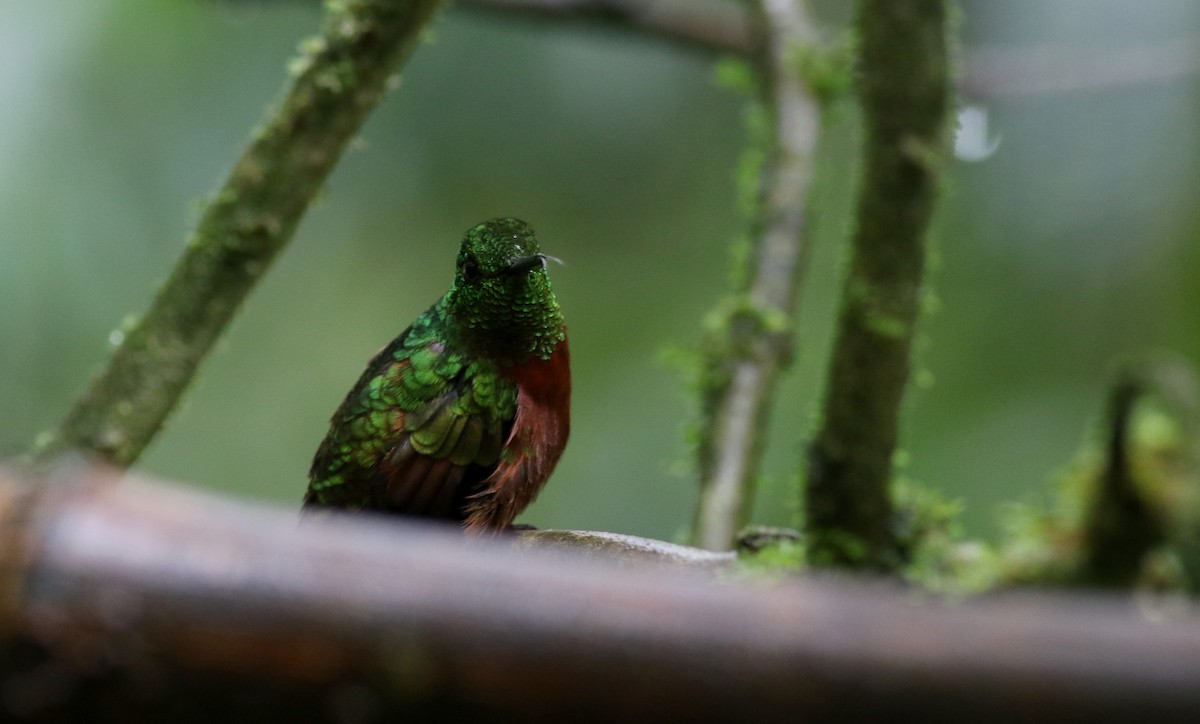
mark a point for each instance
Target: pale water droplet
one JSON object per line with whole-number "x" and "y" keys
{"x": 971, "y": 142}
{"x": 116, "y": 337}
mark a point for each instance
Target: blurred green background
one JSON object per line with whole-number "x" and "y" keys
{"x": 1072, "y": 246}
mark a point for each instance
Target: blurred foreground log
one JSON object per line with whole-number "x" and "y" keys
{"x": 133, "y": 601}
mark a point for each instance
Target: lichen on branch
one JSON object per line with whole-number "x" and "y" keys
{"x": 749, "y": 340}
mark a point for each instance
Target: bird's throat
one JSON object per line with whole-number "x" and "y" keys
{"x": 509, "y": 334}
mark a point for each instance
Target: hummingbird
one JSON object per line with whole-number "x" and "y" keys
{"x": 465, "y": 414}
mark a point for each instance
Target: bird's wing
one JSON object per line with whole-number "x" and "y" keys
{"x": 421, "y": 428}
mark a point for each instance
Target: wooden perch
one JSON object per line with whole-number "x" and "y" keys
{"x": 145, "y": 602}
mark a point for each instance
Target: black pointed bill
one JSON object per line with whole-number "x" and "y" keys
{"x": 525, "y": 263}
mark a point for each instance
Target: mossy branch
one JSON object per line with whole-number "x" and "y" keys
{"x": 751, "y": 339}
{"x": 338, "y": 79}
{"x": 904, "y": 88}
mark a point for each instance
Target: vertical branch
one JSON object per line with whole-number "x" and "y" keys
{"x": 904, "y": 88}
{"x": 338, "y": 80}
{"x": 752, "y": 341}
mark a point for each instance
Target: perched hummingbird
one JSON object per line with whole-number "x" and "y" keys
{"x": 465, "y": 414}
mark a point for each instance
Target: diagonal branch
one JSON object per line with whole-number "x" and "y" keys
{"x": 339, "y": 78}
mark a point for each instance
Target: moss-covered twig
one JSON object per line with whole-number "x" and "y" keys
{"x": 1144, "y": 494}
{"x": 751, "y": 340}
{"x": 338, "y": 79}
{"x": 904, "y": 87}
{"x": 1128, "y": 513}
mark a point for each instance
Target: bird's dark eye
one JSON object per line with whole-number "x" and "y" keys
{"x": 470, "y": 270}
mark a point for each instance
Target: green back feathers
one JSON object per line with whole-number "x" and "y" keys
{"x": 421, "y": 392}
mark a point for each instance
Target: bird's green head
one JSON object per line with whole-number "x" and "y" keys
{"x": 501, "y": 297}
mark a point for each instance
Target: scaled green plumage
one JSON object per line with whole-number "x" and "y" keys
{"x": 425, "y": 429}
{"x": 420, "y": 389}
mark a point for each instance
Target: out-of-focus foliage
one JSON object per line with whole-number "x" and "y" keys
{"x": 1073, "y": 244}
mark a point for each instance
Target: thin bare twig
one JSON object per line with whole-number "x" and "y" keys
{"x": 711, "y": 26}
{"x": 992, "y": 72}
{"x": 339, "y": 78}
{"x": 987, "y": 72}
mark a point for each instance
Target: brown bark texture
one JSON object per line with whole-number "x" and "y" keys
{"x": 127, "y": 600}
